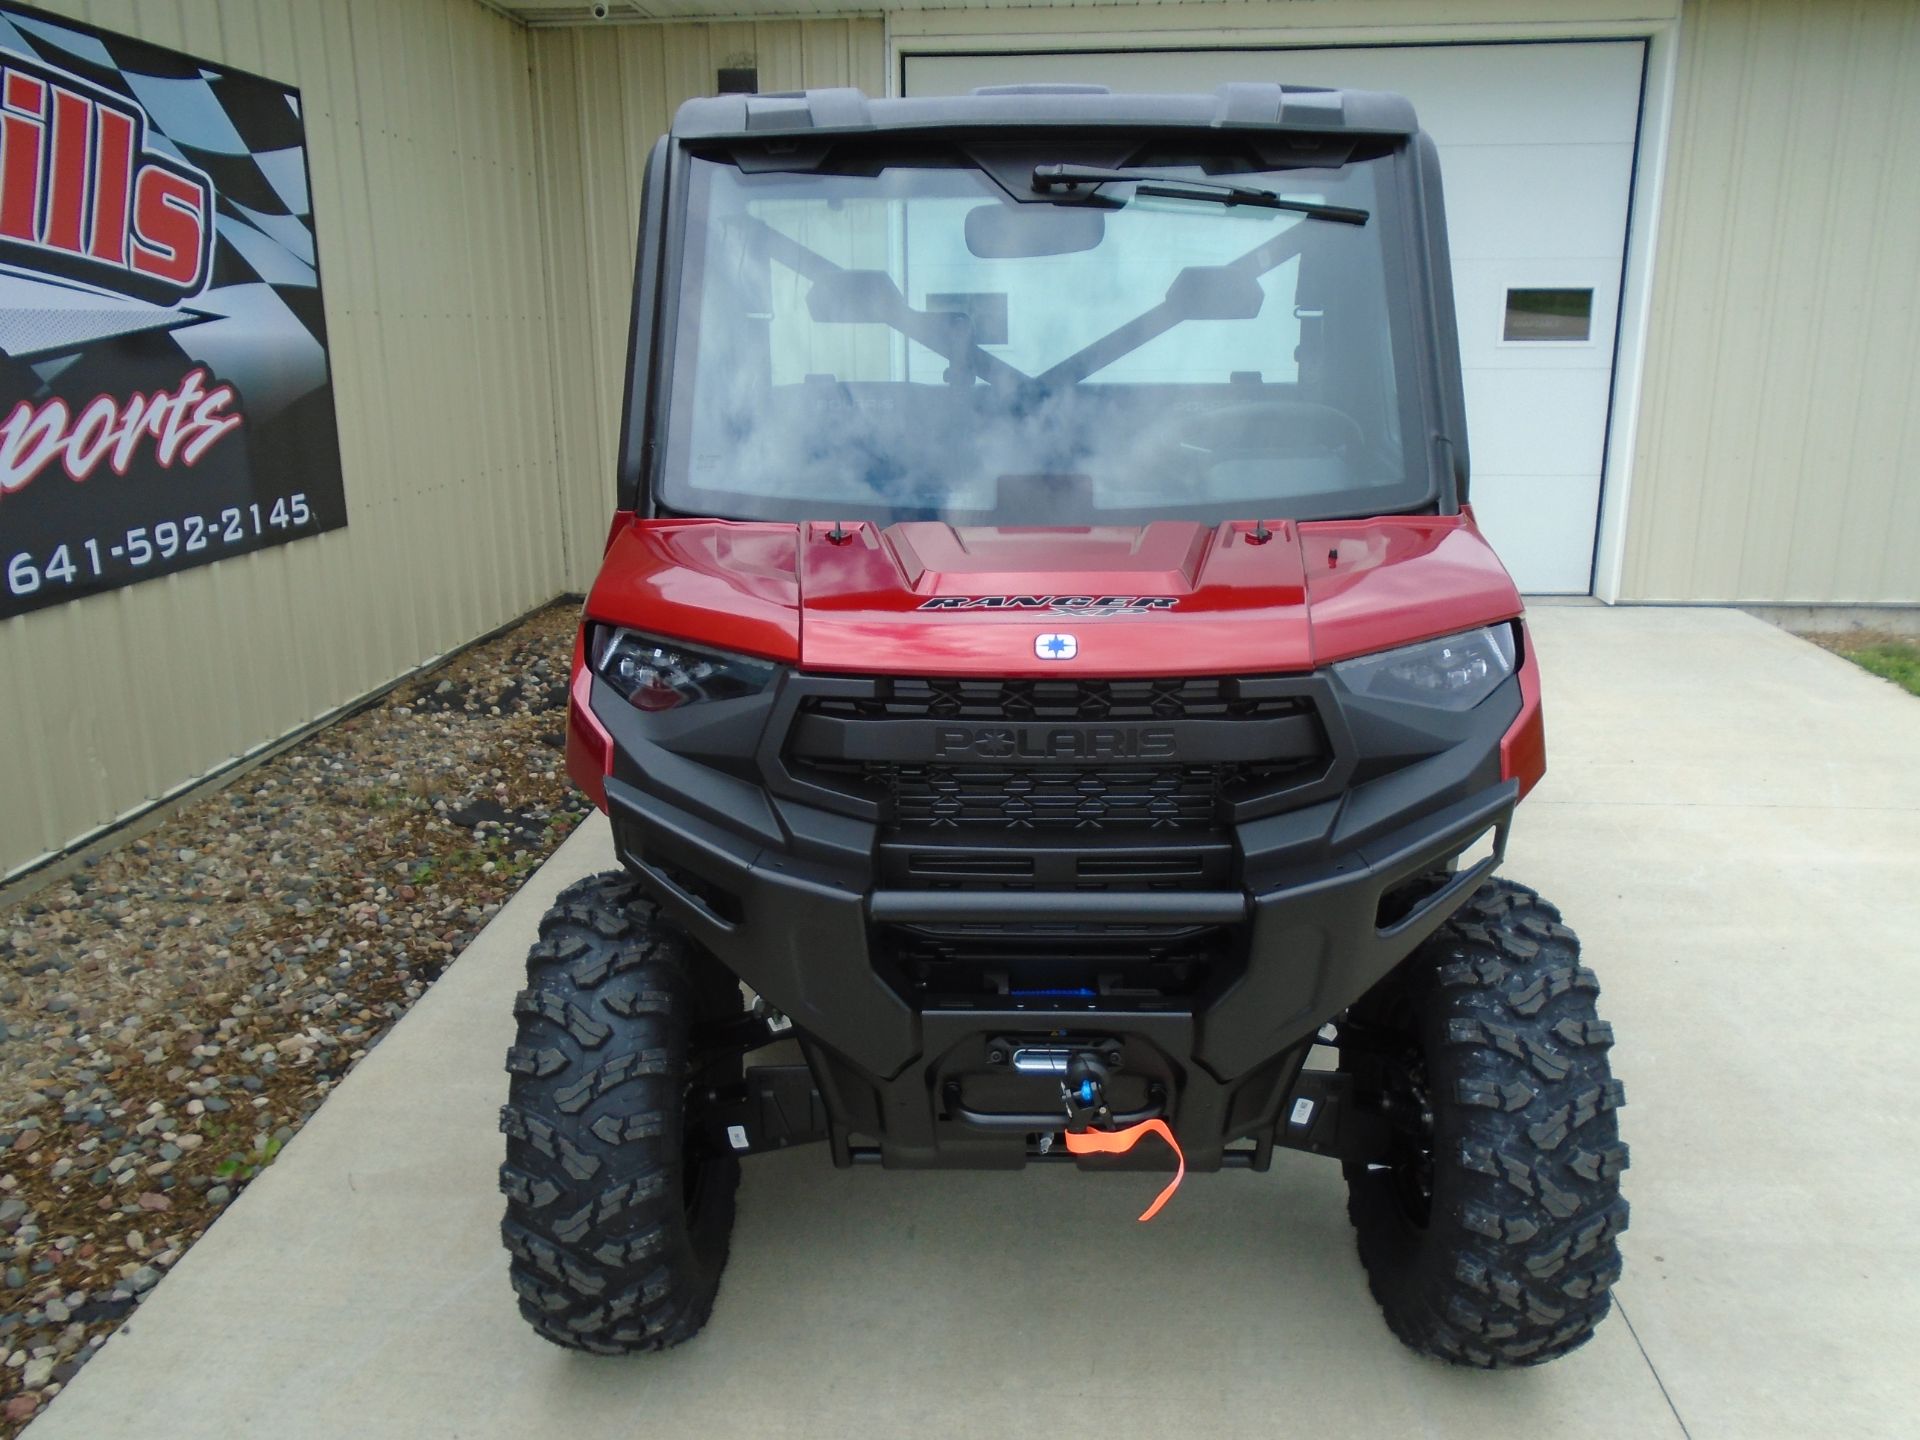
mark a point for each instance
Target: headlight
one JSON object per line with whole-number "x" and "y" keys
{"x": 1454, "y": 673}
{"x": 662, "y": 675}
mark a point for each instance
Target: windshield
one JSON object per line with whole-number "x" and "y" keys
{"x": 914, "y": 343}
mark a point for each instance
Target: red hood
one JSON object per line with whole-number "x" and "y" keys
{"x": 1173, "y": 597}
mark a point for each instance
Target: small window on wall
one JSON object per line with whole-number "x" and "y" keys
{"x": 1561, "y": 315}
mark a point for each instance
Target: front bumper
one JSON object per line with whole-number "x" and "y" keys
{"x": 787, "y": 895}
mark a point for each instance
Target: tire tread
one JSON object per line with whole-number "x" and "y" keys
{"x": 605, "y": 1256}
{"x": 1521, "y": 1249}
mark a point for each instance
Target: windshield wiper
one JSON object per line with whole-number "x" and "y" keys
{"x": 1181, "y": 187}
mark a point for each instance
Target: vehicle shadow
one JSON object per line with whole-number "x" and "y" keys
{"x": 911, "y": 1303}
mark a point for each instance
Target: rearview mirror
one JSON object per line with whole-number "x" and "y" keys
{"x": 997, "y": 231}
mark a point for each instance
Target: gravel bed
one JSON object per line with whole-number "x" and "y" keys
{"x": 172, "y": 1013}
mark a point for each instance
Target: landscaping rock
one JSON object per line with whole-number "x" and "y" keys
{"x": 212, "y": 980}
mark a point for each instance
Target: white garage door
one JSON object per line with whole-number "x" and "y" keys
{"x": 1537, "y": 146}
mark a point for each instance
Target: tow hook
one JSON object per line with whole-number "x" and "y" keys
{"x": 1084, "y": 1092}
{"x": 1090, "y": 1128}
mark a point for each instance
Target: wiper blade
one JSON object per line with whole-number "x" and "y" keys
{"x": 1052, "y": 177}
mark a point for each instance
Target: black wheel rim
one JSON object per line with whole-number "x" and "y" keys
{"x": 1410, "y": 1166}
{"x": 1395, "y": 1066}
{"x": 694, "y": 1150}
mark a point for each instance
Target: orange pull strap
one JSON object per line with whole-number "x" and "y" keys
{"x": 1119, "y": 1142}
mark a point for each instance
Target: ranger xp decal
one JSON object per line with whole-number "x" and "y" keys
{"x": 1095, "y": 605}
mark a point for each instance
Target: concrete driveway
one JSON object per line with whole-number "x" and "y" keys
{"x": 1732, "y": 821}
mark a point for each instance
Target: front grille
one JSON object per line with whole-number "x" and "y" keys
{"x": 1058, "y": 785}
{"x": 1043, "y": 775}
{"x": 1057, "y": 700}
{"x": 1043, "y": 799}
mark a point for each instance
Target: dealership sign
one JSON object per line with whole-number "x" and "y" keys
{"x": 165, "y": 394}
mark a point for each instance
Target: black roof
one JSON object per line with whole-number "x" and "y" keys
{"x": 1302, "y": 108}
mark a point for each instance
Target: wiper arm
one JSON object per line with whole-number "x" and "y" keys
{"x": 1051, "y": 177}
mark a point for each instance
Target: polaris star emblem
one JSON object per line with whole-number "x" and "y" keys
{"x": 1056, "y": 647}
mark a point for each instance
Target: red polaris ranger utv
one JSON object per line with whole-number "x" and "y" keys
{"x": 1045, "y": 666}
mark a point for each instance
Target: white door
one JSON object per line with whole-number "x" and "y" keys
{"x": 1536, "y": 148}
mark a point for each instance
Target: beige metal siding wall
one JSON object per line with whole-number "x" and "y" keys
{"x": 605, "y": 94}
{"x": 1781, "y": 414}
{"x": 420, "y": 132}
